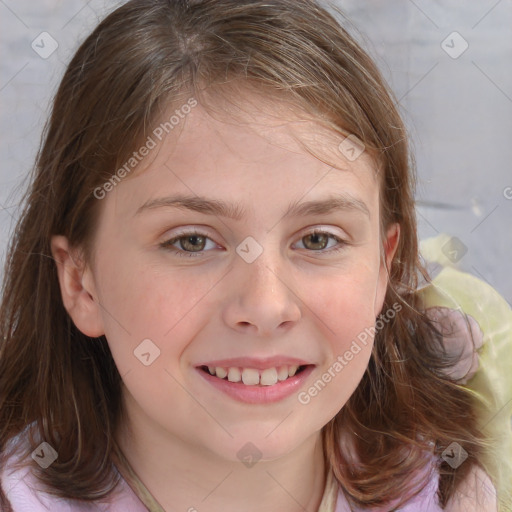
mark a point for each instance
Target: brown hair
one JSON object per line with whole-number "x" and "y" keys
{"x": 136, "y": 62}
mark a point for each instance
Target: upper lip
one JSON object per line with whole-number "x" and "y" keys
{"x": 256, "y": 363}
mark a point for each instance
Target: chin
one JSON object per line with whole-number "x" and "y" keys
{"x": 251, "y": 445}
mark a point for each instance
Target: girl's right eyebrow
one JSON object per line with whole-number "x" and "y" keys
{"x": 333, "y": 203}
{"x": 195, "y": 203}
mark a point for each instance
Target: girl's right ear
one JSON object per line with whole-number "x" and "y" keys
{"x": 77, "y": 289}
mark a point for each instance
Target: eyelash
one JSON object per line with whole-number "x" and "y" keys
{"x": 168, "y": 244}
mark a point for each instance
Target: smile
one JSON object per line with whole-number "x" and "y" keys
{"x": 254, "y": 377}
{"x": 256, "y": 386}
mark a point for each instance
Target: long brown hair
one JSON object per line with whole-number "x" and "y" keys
{"x": 134, "y": 65}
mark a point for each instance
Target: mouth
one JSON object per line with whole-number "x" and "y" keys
{"x": 252, "y": 376}
{"x": 263, "y": 385}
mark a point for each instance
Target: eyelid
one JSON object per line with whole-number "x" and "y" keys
{"x": 321, "y": 228}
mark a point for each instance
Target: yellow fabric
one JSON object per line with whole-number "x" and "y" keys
{"x": 492, "y": 383}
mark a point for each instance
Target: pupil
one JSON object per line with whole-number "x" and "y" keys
{"x": 318, "y": 236}
{"x": 192, "y": 241}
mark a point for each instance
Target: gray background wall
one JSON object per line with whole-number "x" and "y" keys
{"x": 456, "y": 97}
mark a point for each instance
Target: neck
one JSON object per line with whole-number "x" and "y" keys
{"x": 183, "y": 476}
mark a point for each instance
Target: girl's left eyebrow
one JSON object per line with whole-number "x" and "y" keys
{"x": 235, "y": 211}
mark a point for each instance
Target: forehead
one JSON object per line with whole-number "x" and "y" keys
{"x": 207, "y": 149}
{"x": 231, "y": 116}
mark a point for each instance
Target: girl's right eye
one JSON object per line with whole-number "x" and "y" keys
{"x": 191, "y": 242}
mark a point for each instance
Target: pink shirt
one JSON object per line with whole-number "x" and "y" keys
{"x": 21, "y": 488}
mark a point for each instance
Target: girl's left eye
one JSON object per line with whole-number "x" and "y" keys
{"x": 193, "y": 243}
{"x": 321, "y": 238}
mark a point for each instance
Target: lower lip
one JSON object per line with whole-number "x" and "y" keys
{"x": 259, "y": 394}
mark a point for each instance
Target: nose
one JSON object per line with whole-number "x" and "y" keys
{"x": 261, "y": 299}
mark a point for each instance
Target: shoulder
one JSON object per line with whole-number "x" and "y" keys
{"x": 25, "y": 492}
{"x": 475, "y": 493}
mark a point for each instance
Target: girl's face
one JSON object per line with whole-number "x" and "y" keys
{"x": 208, "y": 259}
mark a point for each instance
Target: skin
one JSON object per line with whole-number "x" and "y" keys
{"x": 182, "y": 435}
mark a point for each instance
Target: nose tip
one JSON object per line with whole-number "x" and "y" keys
{"x": 262, "y": 301}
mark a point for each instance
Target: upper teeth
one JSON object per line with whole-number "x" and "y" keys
{"x": 253, "y": 377}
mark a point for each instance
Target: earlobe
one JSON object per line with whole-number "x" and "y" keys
{"x": 77, "y": 288}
